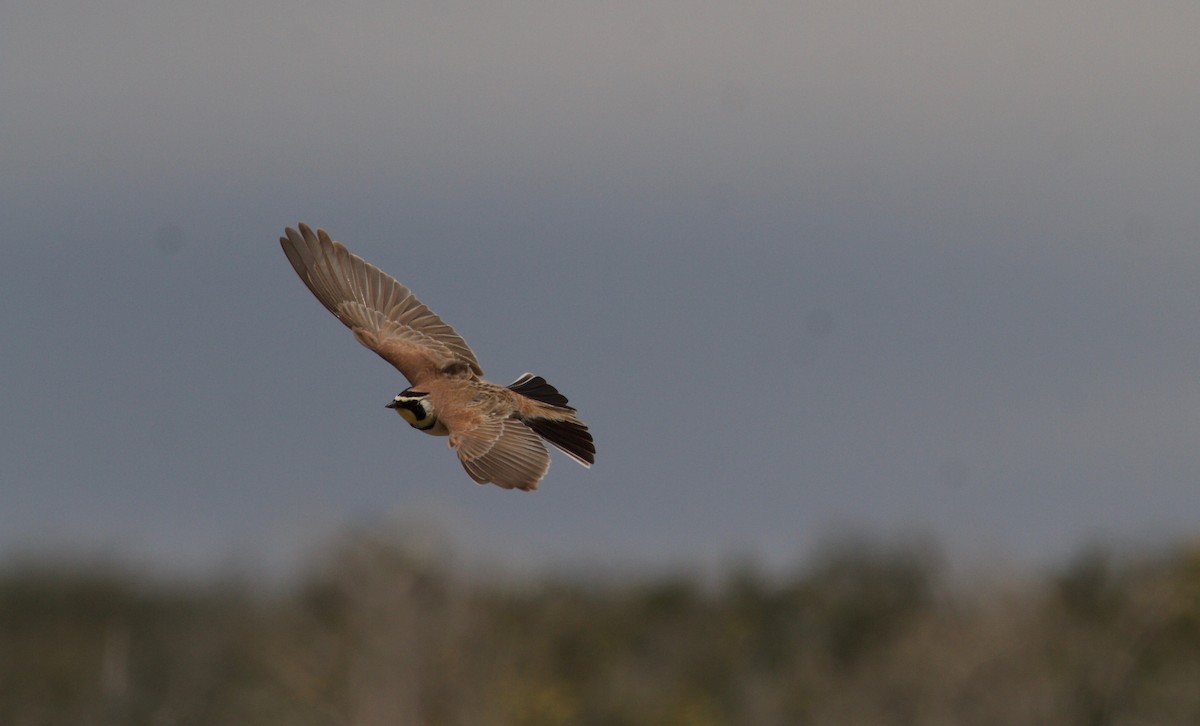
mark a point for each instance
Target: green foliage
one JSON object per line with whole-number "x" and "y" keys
{"x": 380, "y": 634}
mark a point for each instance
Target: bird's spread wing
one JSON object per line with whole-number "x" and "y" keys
{"x": 384, "y": 314}
{"x": 502, "y": 451}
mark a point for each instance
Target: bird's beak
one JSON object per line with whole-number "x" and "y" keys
{"x": 393, "y": 404}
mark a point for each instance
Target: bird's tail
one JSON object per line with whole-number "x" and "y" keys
{"x": 563, "y": 429}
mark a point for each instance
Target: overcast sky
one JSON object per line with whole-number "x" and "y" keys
{"x": 804, "y": 268}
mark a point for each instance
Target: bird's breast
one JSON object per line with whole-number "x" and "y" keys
{"x": 438, "y": 429}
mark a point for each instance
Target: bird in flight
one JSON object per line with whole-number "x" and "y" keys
{"x": 497, "y": 431}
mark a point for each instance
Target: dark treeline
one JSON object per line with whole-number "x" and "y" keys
{"x": 379, "y": 635}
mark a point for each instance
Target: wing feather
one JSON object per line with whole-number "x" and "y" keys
{"x": 504, "y": 452}
{"x": 383, "y": 314}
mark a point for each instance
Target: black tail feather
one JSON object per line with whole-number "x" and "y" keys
{"x": 535, "y": 387}
{"x": 571, "y": 436}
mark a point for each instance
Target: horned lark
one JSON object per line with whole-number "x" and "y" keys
{"x": 496, "y": 430}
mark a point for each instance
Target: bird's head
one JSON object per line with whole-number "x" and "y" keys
{"x": 416, "y": 408}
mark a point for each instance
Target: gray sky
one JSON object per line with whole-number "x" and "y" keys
{"x": 805, "y": 269}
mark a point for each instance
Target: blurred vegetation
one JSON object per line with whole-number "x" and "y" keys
{"x": 378, "y": 634}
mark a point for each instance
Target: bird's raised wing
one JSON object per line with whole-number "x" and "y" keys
{"x": 502, "y": 451}
{"x": 383, "y": 314}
